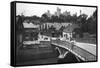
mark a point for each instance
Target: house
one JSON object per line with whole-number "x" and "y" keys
{"x": 67, "y": 32}
{"x": 30, "y": 33}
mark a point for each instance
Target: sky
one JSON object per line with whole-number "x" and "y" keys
{"x": 38, "y": 9}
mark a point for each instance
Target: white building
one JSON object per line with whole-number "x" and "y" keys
{"x": 43, "y": 38}
{"x": 67, "y": 32}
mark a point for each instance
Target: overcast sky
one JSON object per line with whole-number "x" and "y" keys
{"x": 38, "y": 9}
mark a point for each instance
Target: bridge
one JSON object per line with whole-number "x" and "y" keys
{"x": 84, "y": 51}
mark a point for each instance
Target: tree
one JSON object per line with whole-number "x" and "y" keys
{"x": 45, "y": 18}
{"x": 92, "y": 23}
{"x": 19, "y": 23}
{"x": 74, "y": 18}
{"x": 82, "y": 19}
{"x": 35, "y": 17}
{"x": 77, "y": 31}
{"x": 54, "y": 18}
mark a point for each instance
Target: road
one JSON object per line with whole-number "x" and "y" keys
{"x": 88, "y": 47}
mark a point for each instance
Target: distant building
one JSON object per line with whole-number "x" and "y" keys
{"x": 75, "y": 14}
{"x": 48, "y": 14}
{"x": 66, "y": 13}
{"x": 58, "y": 13}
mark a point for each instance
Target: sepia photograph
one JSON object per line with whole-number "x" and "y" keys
{"x": 55, "y": 34}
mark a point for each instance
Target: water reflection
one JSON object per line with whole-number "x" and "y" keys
{"x": 41, "y": 55}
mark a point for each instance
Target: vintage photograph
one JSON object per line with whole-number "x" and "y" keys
{"x": 55, "y": 34}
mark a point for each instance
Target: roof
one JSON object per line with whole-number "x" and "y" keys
{"x": 30, "y": 25}
{"x": 70, "y": 28}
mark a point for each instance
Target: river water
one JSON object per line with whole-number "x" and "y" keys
{"x": 42, "y": 55}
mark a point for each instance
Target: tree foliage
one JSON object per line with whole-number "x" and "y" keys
{"x": 86, "y": 24}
